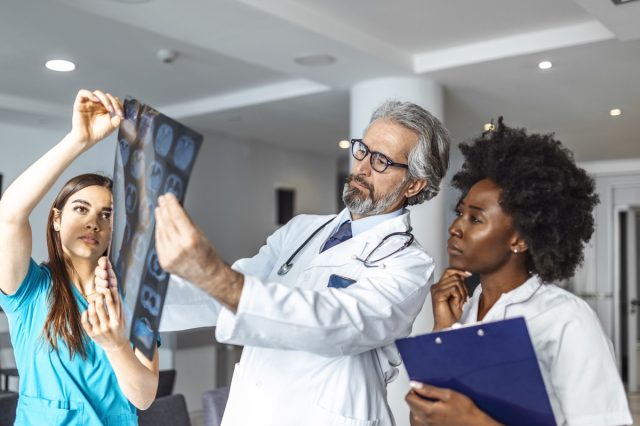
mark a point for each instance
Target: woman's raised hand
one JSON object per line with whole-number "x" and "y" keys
{"x": 95, "y": 115}
{"x": 447, "y": 297}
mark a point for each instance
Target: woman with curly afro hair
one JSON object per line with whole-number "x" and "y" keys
{"x": 522, "y": 222}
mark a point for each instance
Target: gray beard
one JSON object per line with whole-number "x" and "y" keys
{"x": 359, "y": 203}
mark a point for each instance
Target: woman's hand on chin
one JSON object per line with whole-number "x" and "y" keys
{"x": 448, "y": 296}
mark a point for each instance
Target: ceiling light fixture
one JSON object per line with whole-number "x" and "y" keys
{"x": 344, "y": 144}
{"x": 615, "y": 112}
{"x": 60, "y": 65}
{"x": 545, "y": 65}
{"x": 315, "y": 60}
{"x": 166, "y": 56}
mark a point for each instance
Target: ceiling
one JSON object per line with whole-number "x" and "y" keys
{"x": 235, "y": 72}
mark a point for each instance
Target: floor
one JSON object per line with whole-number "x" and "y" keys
{"x": 197, "y": 419}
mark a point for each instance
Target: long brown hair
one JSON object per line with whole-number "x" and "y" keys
{"x": 63, "y": 318}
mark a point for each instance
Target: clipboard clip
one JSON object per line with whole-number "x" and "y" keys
{"x": 438, "y": 339}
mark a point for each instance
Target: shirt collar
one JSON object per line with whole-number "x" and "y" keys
{"x": 520, "y": 294}
{"x": 361, "y": 225}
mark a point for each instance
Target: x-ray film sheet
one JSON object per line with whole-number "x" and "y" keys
{"x": 155, "y": 155}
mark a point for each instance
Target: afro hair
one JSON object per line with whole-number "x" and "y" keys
{"x": 549, "y": 198}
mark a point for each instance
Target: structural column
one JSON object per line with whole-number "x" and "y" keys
{"x": 427, "y": 219}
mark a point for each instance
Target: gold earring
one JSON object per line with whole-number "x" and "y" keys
{"x": 515, "y": 250}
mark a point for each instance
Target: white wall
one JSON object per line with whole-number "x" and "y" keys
{"x": 232, "y": 190}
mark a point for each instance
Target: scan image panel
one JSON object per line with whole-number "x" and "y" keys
{"x": 155, "y": 155}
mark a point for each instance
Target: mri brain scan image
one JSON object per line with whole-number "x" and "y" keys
{"x": 131, "y": 198}
{"x": 174, "y": 185}
{"x": 185, "y": 150}
{"x": 150, "y": 300}
{"x": 164, "y": 137}
{"x": 154, "y": 176}
{"x": 153, "y": 266}
{"x": 143, "y": 331}
{"x": 124, "y": 151}
{"x": 146, "y": 125}
{"x": 137, "y": 164}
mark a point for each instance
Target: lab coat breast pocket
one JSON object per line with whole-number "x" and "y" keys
{"x": 339, "y": 281}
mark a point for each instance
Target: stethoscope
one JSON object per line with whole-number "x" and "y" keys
{"x": 368, "y": 261}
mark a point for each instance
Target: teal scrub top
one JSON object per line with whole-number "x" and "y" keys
{"x": 56, "y": 389}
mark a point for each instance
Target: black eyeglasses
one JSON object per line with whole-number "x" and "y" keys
{"x": 379, "y": 161}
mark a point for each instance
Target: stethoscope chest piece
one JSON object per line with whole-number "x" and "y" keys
{"x": 286, "y": 267}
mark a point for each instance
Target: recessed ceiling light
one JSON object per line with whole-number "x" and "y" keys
{"x": 615, "y": 112}
{"x": 344, "y": 144}
{"x": 60, "y": 65}
{"x": 488, "y": 127}
{"x": 315, "y": 60}
{"x": 545, "y": 65}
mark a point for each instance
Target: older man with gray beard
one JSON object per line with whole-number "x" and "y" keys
{"x": 319, "y": 307}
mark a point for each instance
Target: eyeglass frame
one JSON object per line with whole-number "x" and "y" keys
{"x": 388, "y": 162}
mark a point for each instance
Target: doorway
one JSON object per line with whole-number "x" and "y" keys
{"x": 628, "y": 262}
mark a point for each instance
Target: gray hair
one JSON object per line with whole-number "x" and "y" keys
{"x": 429, "y": 159}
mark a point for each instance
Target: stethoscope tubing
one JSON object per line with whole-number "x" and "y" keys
{"x": 288, "y": 264}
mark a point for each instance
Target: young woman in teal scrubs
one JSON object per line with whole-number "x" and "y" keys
{"x": 67, "y": 327}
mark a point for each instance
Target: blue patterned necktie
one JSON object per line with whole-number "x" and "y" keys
{"x": 342, "y": 234}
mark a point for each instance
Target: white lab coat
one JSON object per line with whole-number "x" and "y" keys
{"x": 575, "y": 356}
{"x": 315, "y": 355}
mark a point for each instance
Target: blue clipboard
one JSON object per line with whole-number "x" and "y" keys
{"x": 494, "y": 364}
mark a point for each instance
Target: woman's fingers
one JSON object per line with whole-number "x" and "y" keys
{"x": 116, "y": 105}
{"x": 84, "y": 96}
{"x": 101, "y": 312}
{"x": 452, "y": 271}
{"x": 93, "y": 316}
{"x": 101, "y": 278}
{"x": 111, "y": 307}
{"x": 105, "y": 276}
{"x": 104, "y": 100}
{"x": 86, "y": 325}
{"x": 451, "y": 281}
{"x": 113, "y": 280}
{"x": 445, "y": 287}
{"x": 431, "y": 392}
{"x": 448, "y": 298}
{"x": 420, "y": 408}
